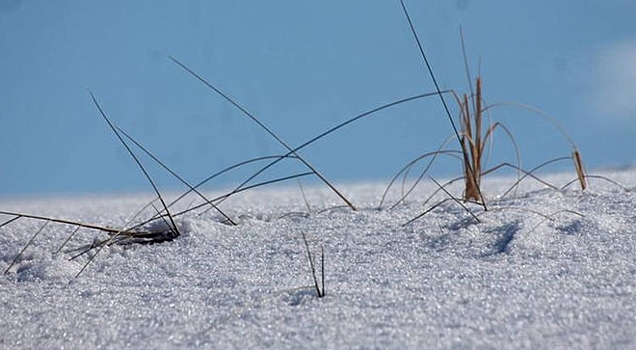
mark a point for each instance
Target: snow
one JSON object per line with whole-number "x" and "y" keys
{"x": 541, "y": 269}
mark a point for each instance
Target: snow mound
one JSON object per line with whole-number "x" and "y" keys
{"x": 540, "y": 268}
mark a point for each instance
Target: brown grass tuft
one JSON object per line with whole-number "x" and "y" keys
{"x": 473, "y": 143}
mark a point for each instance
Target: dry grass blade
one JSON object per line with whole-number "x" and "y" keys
{"x": 442, "y": 188}
{"x": 576, "y": 155}
{"x": 322, "y": 269}
{"x": 314, "y": 139}
{"x": 68, "y": 239}
{"x": 9, "y": 221}
{"x": 227, "y": 195}
{"x": 404, "y": 171}
{"x": 60, "y": 221}
{"x": 163, "y": 165}
{"x": 264, "y": 127}
{"x": 425, "y": 212}
{"x": 605, "y": 178}
{"x": 550, "y": 217}
{"x": 174, "y": 227}
{"x": 531, "y": 174}
{"x": 209, "y": 178}
{"x": 455, "y": 199}
{"x": 25, "y": 247}
{"x": 302, "y": 192}
{"x": 338, "y": 127}
{"x": 407, "y": 169}
{"x": 320, "y": 292}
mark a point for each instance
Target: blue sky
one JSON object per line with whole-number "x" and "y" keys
{"x": 301, "y": 67}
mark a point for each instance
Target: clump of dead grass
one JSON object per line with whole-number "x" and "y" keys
{"x": 475, "y": 140}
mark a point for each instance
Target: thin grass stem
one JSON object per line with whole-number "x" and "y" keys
{"x": 25, "y": 247}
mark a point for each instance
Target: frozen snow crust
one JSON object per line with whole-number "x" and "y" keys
{"x": 515, "y": 280}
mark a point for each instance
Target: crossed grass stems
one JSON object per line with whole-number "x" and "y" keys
{"x": 474, "y": 137}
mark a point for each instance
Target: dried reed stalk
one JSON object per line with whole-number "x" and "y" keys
{"x": 578, "y": 165}
{"x": 472, "y": 144}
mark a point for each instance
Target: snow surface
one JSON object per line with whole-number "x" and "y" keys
{"x": 517, "y": 279}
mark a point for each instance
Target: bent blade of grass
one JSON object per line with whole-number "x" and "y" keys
{"x": 319, "y": 136}
{"x": 264, "y": 127}
{"x": 340, "y": 126}
{"x": 264, "y": 183}
{"x": 576, "y": 155}
{"x": 61, "y": 221}
{"x": 163, "y": 203}
{"x": 489, "y": 135}
{"x": 260, "y": 184}
{"x": 9, "y": 221}
{"x": 550, "y": 217}
{"x": 455, "y": 199}
{"x": 425, "y": 212}
{"x": 163, "y": 165}
{"x": 68, "y": 239}
{"x": 409, "y": 166}
{"x": 588, "y": 176}
{"x": 525, "y": 174}
{"x": 405, "y": 171}
{"x": 223, "y": 197}
{"x": 532, "y": 171}
{"x": 223, "y": 171}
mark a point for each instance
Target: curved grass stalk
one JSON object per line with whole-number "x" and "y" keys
{"x": 491, "y": 170}
{"x": 276, "y": 159}
{"x": 206, "y": 180}
{"x": 223, "y": 197}
{"x": 587, "y": 176}
{"x": 404, "y": 171}
{"x": 576, "y": 155}
{"x": 532, "y": 171}
{"x": 163, "y": 165}
{"x": 407, "y": 171}
{"x": 314, "y": 139}
{"x": 264, "y": 127}
{"x": 152, "y": 183}
{"x": 550, "y": 217}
